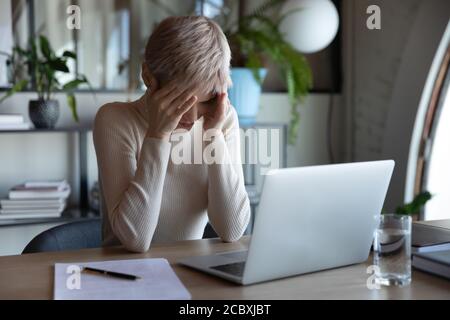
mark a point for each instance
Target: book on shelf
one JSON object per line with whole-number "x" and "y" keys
{"x": 22, "y": 192}
{"x": 25, "y": 202}
{"x": 7, "y": 212}
{"x": 15, "y": 126}
{"x": 11, "y": 118}
{"x": 31, "y": 203}
{"x": 58, "y": 184}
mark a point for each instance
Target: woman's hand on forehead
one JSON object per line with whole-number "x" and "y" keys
{"x": 165, "y": 108}
{"x": 215, "y": 118}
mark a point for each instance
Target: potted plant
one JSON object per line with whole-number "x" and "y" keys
{"x": 42, "y": 66}
{"x": 415, "y": 205}
{"x": 255, "y": 41}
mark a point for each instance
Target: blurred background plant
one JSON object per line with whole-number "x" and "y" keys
{"x": 415, "y": 206}
{"x": 37, "y": 67}
{"x": 255, "y": 40}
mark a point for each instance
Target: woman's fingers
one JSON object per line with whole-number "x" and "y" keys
{"x": 181, "y": 98}
{"x": 172, "y": 96}
{"x": 185, "y": 107}
{"x": 175, "y": 98}
{"x": 222, "y": 104}
{"x": 166, "y": 89}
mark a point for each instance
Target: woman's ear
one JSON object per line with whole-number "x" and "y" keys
{"x": 148, "y": 78}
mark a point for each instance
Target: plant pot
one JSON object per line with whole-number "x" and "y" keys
{"x": 245, "y": 94}
{"x": 44, "y": 113}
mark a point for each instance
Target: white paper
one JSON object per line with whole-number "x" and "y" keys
{"x": 158, "y": 281}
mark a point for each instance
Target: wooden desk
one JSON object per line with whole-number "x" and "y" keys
{"x": 31, "y": 276}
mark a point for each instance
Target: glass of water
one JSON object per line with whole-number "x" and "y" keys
{"x": 392, "y": 250}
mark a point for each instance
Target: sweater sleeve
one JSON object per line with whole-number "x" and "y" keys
{"x": 228, "y": 203}
{"x": 132, "y": 188}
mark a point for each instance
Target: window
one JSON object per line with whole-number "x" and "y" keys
{"x": 110, "y": 42}
{"x": 113, "y": 34}
{"x": 432, "y": 164}
{"x": 437, "y": 166}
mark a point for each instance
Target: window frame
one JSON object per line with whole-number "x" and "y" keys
{"x": 434, "y": 108}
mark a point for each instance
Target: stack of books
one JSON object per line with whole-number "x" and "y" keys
{"x": 13, "y": 122}
{"x": 40, "y": 199}
{"x": 430, "y": 236}
{"x": 431, "y": 247}
{"x": 437, "y": 263}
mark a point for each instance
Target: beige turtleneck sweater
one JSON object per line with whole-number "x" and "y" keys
{"x": 149, "y": 196}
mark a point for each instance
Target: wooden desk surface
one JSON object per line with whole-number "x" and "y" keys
{"x": 31, "y": 276}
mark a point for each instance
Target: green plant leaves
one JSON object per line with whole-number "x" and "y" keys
{"x": 264, "y": 7}
{"x": 20, "y": 51}
{"x": 285, "y": 15}
{"x": 19, "y": 86}
{"x": 46, "y": 50}
{"x": 254, "y": 63}
{"x": 43, "y": 66}
{"x": 294, "y": 124}
{"x": 33, "y": 55}
{"x": 72, "y": 103}
{"x": 414, "y": 206}
{"x": 59, "y": 64}
{"x": 259, "y": 37}
{"x": 71, "y": 85}
{"x": 70, "y": 54}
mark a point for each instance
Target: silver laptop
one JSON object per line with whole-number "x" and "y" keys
{"x": 309, "y": 219}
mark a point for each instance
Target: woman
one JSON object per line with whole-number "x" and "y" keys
{"x": 148, "y": 195}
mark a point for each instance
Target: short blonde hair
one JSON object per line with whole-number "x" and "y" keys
{"x": 192, "y": 49}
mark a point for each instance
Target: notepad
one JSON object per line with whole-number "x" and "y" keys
{"x": 158, "y": 281}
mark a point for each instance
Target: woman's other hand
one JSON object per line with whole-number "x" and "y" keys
{"x": 215, "y": 118}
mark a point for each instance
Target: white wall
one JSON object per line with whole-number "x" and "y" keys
{"x": 311, "y": 146}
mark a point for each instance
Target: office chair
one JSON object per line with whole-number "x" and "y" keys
{"x": 209, "y": 232}
{"x": 78, "y": 235}
{"x": 71, "y": 236}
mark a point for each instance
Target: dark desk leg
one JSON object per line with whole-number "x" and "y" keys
{"x": 83, "y": 162}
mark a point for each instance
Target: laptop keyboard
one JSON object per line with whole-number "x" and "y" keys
{"x": 236, "y": 269}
